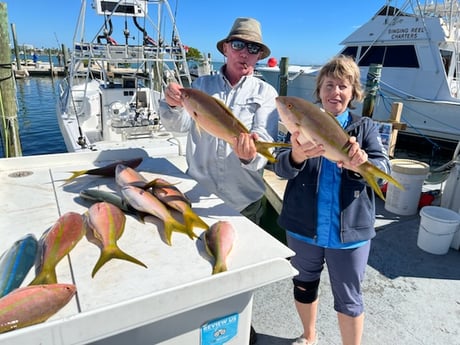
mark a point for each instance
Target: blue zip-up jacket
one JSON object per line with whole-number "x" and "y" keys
{"x": 357, "y": 200}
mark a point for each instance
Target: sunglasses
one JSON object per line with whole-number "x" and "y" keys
{"x": 253, "y": 48}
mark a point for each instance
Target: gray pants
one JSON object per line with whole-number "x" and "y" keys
{"x": 255, "y": 210}
{"x": 346, "y": 269}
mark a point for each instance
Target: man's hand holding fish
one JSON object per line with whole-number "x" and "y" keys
{"x": 172, "y": 95}
{"x": 244, "y": 146}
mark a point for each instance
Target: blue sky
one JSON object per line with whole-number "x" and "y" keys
{"x": 307, "y": 32}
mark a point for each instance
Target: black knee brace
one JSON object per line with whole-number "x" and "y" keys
{"x": 305, "y": 292}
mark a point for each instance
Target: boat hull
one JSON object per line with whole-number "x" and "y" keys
{"x": 438, "y": 120}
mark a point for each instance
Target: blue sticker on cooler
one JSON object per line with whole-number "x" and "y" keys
{"x": 219, "y": 331}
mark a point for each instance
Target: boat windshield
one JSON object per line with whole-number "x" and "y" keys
{"x": 388, "y": 56}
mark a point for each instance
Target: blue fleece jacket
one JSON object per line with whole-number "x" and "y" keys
{"x": 356, "y": 201}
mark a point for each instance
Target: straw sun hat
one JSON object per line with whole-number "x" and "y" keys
{"x": 245, "y": 29}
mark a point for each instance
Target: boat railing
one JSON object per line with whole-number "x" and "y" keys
{"x": 294, "y": 76}
{"x": 124, "y": 53}
{"x": 136, "y": 56}
{"x": 63, "y": 93}
{"x": 448, "y": 10}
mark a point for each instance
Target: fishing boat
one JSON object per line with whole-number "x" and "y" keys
{"x": 200, "y": 67}
{"x": 415, "y": 51}
{"x": 111, "y": 97}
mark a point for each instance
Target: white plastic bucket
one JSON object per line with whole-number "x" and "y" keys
{"x": 451, "y": 197}
{"x": 437, "y": 229}
{"x": 451, "y": 192}
{"x": 411, "y": 174}
{"x": 456, "y": 240}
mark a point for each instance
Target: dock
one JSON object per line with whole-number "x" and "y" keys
{"x": 411, "y": 296}
{"x": 38, "y": 70}
{"x": 45, "y": 71}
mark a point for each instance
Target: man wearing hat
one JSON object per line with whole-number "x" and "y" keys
{"x": 232, "y": 172}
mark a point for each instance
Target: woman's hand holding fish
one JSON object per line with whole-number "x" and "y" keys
{"x": 244, "y": 146}
{"x": 300, "y": 153}
{"x": 358, "y": 156}
{"x": 172, "y": 95}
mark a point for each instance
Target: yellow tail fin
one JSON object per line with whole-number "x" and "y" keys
{"x": 371, "y": 173}
{"x": 264, "y": 147}
{"x": 171, "y": 225}
{"x": 114, "y": 253}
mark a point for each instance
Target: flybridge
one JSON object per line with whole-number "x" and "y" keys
{"x": 133, "y": 8}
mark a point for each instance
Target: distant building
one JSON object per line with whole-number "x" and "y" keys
{"x": 27, "y": 47}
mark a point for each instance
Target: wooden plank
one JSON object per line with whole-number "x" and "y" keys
{"x": 395, "y": 117}
{"x": 274, "y": 191}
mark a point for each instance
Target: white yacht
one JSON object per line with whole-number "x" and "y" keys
{"x": 415, "y": 48}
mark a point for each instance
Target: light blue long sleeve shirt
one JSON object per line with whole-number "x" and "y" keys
{"x": 211, "y": 161}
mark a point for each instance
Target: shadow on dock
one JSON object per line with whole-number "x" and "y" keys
{"x": 394, "y": 251}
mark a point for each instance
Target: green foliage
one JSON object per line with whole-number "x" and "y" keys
{"x": 194, "y": 54}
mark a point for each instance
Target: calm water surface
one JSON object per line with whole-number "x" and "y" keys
{"x": 38, "y": 128}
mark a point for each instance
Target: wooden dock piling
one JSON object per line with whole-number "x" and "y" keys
{"x": 8, "y": 108}
{"x": 284, "y": 76}
{"x": 372, "y": 85}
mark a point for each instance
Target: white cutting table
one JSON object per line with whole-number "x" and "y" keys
{"x": 176, "y": 299}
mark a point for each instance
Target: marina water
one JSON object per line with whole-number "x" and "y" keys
{"x": 38, "y": 127}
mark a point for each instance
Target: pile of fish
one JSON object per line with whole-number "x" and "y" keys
{"x": 102, "y": 224}
{"x": 43, "y": 297}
